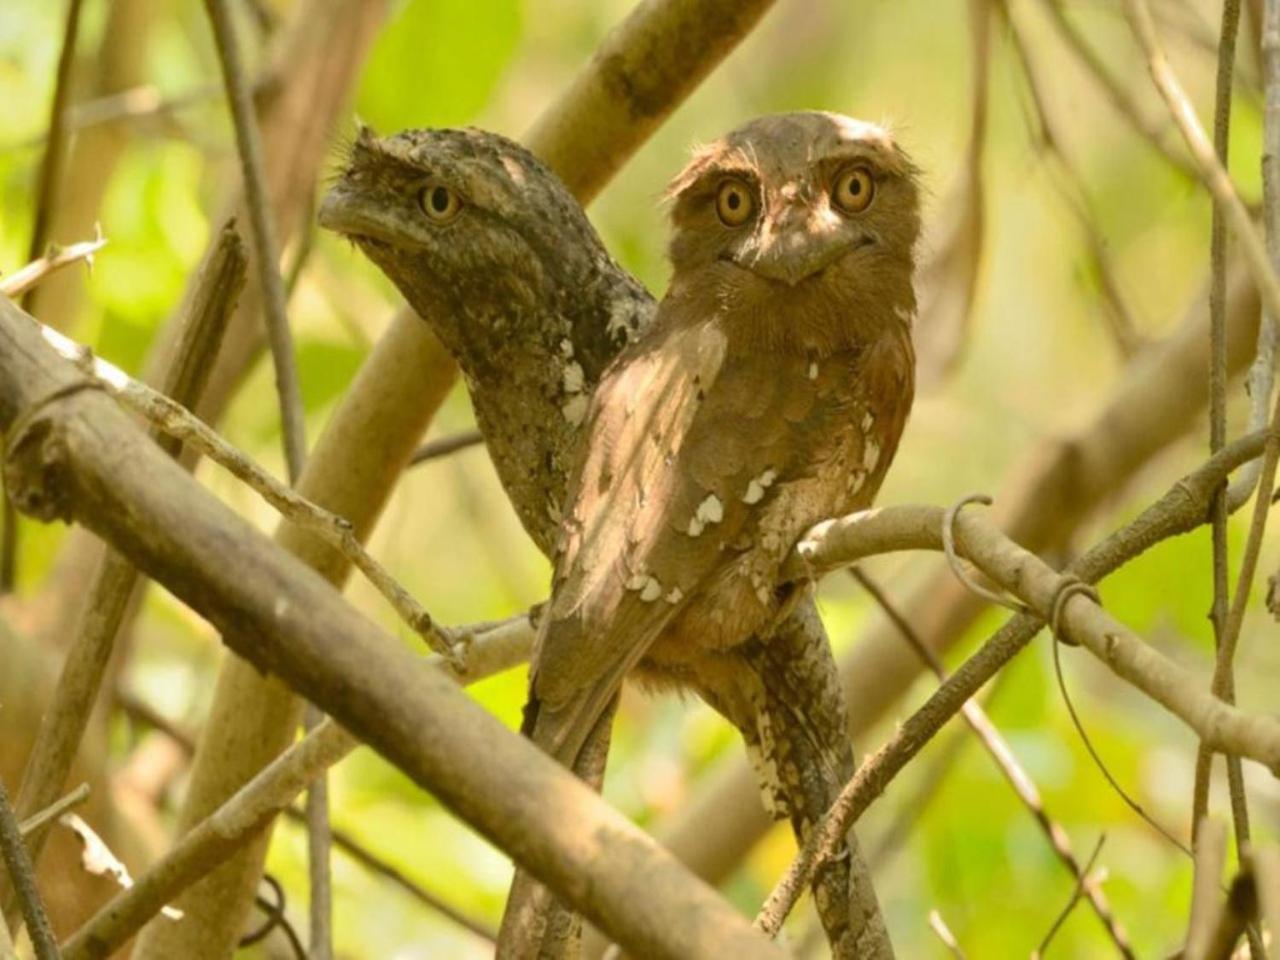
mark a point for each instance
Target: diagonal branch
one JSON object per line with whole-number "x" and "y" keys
{"x": 71, "y": 453}
{"x": 223, "y": 832}
{"x": 53, "y": 260}
{"x": 1184, "y": 507}
{"x": 175, "y": 421}
{"x": 1025, "y": 789}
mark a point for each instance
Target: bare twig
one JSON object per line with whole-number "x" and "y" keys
{"x": 1002, "y": 753}
{"x": 434, "y": 449}
{"x": 56, "y": 809}
{"x": 1069, "y": 185}
{"x": 279, "y": 335}
{"x": 1212, "y": 173}
{"x": 939, "y": 927}
{"x": 1131, "y": 803}
{"x": 1120, "y": 98}
{"x": 54, "y": 259}
{"x": 1261, "y": 378}
{"x": 22, "y": 874}
{"x": 47, "y": 185}
{"x": 1223, "y": 684}
{"x": 1083, "y": 887}
{"x": 319, "y": 852}
{"x": 176, "y": 421}
{"x": 1206, "y": 893}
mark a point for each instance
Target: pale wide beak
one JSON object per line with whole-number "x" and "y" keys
{"x": 338, "y": 213}
{"x": 802, "y": 242}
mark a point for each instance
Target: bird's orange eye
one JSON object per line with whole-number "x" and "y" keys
{"x": 734, "y": 203}
{"x": 439, "y": 202}
{"x": 854, "y": 190}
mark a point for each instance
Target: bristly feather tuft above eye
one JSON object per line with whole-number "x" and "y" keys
{"x": 710, "y": 162}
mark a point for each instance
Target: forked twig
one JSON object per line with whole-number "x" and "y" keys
{"x": 53, "y": 260}
{"x": 176, "y": 421}
{"x": 1083, "y": 884}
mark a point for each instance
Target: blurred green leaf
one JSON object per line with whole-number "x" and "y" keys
{"x": 437, "y": 62}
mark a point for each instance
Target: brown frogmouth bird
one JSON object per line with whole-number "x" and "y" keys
{"x": 767, "y": 393}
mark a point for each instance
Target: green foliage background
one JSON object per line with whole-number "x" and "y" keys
{"x": 1038, "y": 365}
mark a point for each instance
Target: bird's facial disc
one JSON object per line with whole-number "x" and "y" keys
{"x": 821, "y": 191}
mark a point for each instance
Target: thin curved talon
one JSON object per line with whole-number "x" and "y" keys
{"x": 953, "y": 559}
{"x": 1069, "y": 586}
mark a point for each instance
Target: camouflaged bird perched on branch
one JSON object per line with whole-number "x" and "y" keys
{"x": 768, "y": 393}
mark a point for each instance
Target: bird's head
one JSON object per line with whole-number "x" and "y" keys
{"x": 794, "y": 201}
{"x": 466, "y": 223}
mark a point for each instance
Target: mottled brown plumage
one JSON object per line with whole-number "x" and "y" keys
{"x": 496, "y": 256}
{"x": 768, "y": 394}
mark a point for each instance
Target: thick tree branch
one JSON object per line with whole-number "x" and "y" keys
{"x": 72, "y": 453}
{"x": 221, "y": 834}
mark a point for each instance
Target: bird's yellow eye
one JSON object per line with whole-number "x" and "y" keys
{"x": 439, "y": 202}
{"x": 854, "y": 189}
{"x": 734, "y": 203}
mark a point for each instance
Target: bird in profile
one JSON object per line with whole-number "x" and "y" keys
{"x": 769, "y": 393}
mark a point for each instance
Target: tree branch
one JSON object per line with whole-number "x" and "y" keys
{"x": 267, "y": 253}
{"x": 22, "y": 873}
{"x": 47, "y": 184}
{"x": 212, "y": 841}
{"x": 71, "y": 453}
{"x": 1184, "y": 507}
